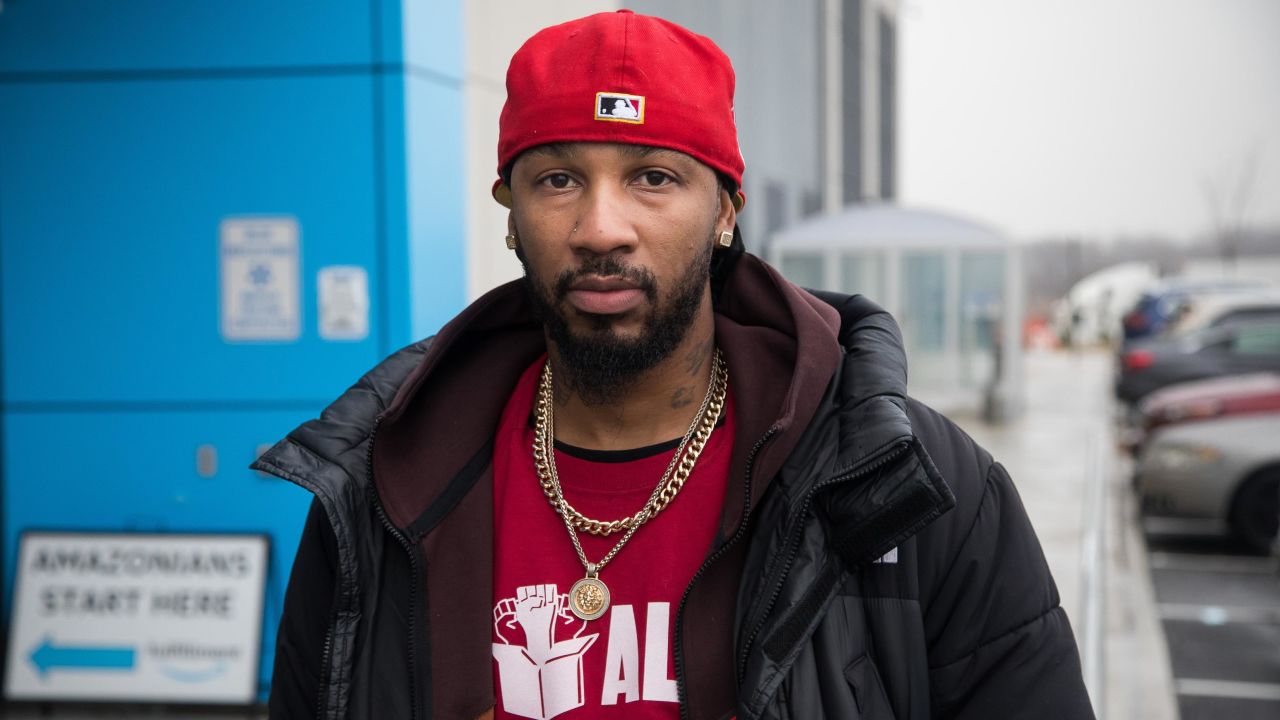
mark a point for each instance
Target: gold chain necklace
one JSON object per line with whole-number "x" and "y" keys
{"x": 589, "y": 597}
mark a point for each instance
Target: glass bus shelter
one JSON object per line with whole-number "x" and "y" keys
{"x": 953, "y": 284}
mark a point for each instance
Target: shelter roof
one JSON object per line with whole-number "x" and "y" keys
{"x": 879, "y": 224}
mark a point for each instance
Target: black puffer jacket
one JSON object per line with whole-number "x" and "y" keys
{"x": 885, "y": 567}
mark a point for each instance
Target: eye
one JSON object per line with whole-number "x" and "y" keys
{"x": 559, "y": 181}
{"x": 655, "y": 178}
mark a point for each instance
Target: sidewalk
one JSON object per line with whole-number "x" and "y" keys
{"x": 1062, "y": 456}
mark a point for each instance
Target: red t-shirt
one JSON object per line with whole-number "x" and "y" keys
{"x": 549, "y": 663}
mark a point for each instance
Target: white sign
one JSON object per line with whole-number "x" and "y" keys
{"x": 344, "y": 302}
{"x": 137, "y": 617}
{"x": 260, "y": 292}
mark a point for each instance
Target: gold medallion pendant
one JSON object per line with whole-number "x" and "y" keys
{"x": 589, "y": 598}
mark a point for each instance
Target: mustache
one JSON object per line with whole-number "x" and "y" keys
{"x": 609, "y": 266}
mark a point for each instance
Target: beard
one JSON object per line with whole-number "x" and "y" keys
{"x": 600, "y": 365}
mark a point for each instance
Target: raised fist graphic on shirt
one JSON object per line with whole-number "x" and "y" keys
{"x": 541, "y": 676}
{"x": 542, "y": 614}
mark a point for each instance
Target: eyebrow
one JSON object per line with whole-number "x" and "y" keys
{"x": 568, "y": 150}
{"x": 556, "y": 149}
{"x": 643, "y": 151}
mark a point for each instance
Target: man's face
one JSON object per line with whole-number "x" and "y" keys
{"x": 616, "y": 242}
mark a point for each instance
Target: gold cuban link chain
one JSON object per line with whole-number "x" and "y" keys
{"x": 669, "y": 484}
{"x": 589, "y": 597}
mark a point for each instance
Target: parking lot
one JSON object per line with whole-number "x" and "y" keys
{"x": 1219, "y": 605}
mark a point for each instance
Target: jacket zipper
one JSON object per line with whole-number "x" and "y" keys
{"x": 327, "y": 651}
{"x": 793, "y": 544}
{"x": 325, "y": 655}
{"x": 325, "y": 658}
{"x": 715, "y": 555}
{"x": 414, "y": 572}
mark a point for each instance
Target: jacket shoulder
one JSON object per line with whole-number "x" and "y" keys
{"x": 959, "y": 459}
{"x": 338, "y": 436}
{"x": 968, "y": 470}
{"x": 999, "y": 642}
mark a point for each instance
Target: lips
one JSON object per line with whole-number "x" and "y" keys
{"x": 604, "y": 295}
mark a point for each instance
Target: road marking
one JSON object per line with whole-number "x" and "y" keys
{"x": 1219, "y": 614}
{"x": 1228, "y": 689}
{"x": 1196, "y": 562}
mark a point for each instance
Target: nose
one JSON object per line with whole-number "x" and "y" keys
{"x": 606, "y": 225}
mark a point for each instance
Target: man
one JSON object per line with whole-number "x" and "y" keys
{"x": 654, "y": 479}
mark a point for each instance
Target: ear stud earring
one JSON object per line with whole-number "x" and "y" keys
{"x": 511, "y": 241}
{"x": 726, "y": 239}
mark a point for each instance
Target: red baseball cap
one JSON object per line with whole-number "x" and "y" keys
{"x": 623, "y": 78}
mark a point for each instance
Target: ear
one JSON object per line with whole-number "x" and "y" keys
{"x": 502, "y": 193}
{"x": 726, "y": 214}
{"x": 511, "y": 229}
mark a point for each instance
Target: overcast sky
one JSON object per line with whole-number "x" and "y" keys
{"x": 1095, "y": 118}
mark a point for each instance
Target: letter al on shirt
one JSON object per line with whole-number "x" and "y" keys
{"x": 621, "y": 671}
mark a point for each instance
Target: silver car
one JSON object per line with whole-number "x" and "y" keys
{"x": 1199, "y": 312}
{"x": 1226, "y": 470}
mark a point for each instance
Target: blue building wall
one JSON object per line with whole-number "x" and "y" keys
{"x": 128, "y": 132}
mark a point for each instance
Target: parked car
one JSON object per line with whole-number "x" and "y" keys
{"x": 1204, "y": 311}
{"x": 1164, "y": 303}
{"x": 1233, "y": 349}
{"x": 1225, "y": 469}
{"x": 1092, "y": 309}
{"x": 1203, "y": 400}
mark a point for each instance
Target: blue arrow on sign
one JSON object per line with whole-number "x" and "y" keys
{"x": 46, "y": 656}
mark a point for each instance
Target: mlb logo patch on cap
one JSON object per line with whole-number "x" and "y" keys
{"x": 617, "y": 107}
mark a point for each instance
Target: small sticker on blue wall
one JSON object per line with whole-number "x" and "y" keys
{"x": 343, "y": 302}
{"x": 260, "y": 271}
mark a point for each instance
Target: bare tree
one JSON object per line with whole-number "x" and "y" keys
{"x": 1229, "y": 205}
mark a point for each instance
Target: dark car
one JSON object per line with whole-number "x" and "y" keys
{"x": 1165, "y": 303}
{"x": 1212, "y": 352}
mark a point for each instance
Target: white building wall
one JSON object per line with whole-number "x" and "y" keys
{"x": 494, "y": 30}
{"x": 871, "y": 131}
{"x": 832, "y": 136}
{"x": 871, "y": 98}
{"x": 777, "y": 52}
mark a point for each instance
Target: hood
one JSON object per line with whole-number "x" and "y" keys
{"x": 780, "y": 343}
{"x": 768, "y": 327}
